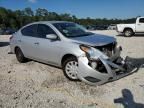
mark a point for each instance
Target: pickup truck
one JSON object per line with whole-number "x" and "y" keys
{"x": 131, "y": 29}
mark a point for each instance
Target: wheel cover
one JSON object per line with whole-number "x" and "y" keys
{"x": 71, "y": 69}
{"x": 128, "y": 33}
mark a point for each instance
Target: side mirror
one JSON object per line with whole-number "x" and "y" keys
{"x": 51, "y": 36}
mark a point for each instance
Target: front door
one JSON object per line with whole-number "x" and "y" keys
{"x": 47, "y": 50}
{"x": 140, "y": 25}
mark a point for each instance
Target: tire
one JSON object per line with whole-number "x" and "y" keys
{"x": 128, "y": 32}
{"x": 19, "y": 55}
{"x": 70, "y": 68}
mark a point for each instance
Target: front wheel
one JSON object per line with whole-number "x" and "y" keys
{"x": 70, "y": 68}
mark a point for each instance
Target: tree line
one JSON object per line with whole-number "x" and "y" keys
{"x": 17, "y": 18}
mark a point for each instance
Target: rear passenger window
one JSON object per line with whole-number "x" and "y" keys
{"x": 30, "y": 30}
{"x": 43, "y": 30}
{"x": 141, "y": 20}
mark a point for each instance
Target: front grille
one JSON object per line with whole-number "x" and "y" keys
{"x": 107, "y": 49}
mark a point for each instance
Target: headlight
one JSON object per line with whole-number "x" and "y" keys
{"x": 92, "y": 53}
{"x": 88, "y": 50}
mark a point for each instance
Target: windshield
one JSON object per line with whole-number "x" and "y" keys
{"x": 71, "y": 30}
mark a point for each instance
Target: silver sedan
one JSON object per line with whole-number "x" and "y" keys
{"x": 92, "y": 58}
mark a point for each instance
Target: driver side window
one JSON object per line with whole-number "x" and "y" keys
{"x": 141, "y": 20}
{"x": 43, "y": 30}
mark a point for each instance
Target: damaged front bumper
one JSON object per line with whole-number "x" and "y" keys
{"x": 113, "y": 68}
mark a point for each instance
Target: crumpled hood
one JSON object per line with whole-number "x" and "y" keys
{"x": 94, "y": 40}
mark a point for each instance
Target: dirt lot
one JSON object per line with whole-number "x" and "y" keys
{"x": 38, "y": 85}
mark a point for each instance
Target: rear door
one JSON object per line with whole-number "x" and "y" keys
{"x": 28, "y": 41}
{"x": 140, "y": 25}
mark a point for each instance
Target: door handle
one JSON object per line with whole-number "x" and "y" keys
{"x": 36, "y": 43}
{"x": 19, "y": 41}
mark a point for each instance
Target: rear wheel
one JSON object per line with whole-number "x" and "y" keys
{"x": 19, "y": 55}
{"x": 70, "y": 68}
{"x": 128, "y": 33}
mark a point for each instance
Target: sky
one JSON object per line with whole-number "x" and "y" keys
{"x": 83, "y": 8}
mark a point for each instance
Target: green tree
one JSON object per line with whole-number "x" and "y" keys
{"x": 19, "y": 18}
{"x": 4, "y": 17}
{"x": 28, "y": 12}
{"x": 41, "y": 12}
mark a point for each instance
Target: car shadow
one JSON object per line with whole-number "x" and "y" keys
{"x": 136, "y": 35}
{"x": 3, "y": 44}
{"x": 127, "y": 100}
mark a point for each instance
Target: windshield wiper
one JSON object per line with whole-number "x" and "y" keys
{"x": 86, "y": 34}
{"x": 80, "y": 35}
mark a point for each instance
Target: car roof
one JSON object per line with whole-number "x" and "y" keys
{"x": 50, "y": 22}
{"x": 140, "y": 17}
{"x": 45, "y": 22}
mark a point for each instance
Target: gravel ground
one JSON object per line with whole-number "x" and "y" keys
{"x": 36, "y": 85}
